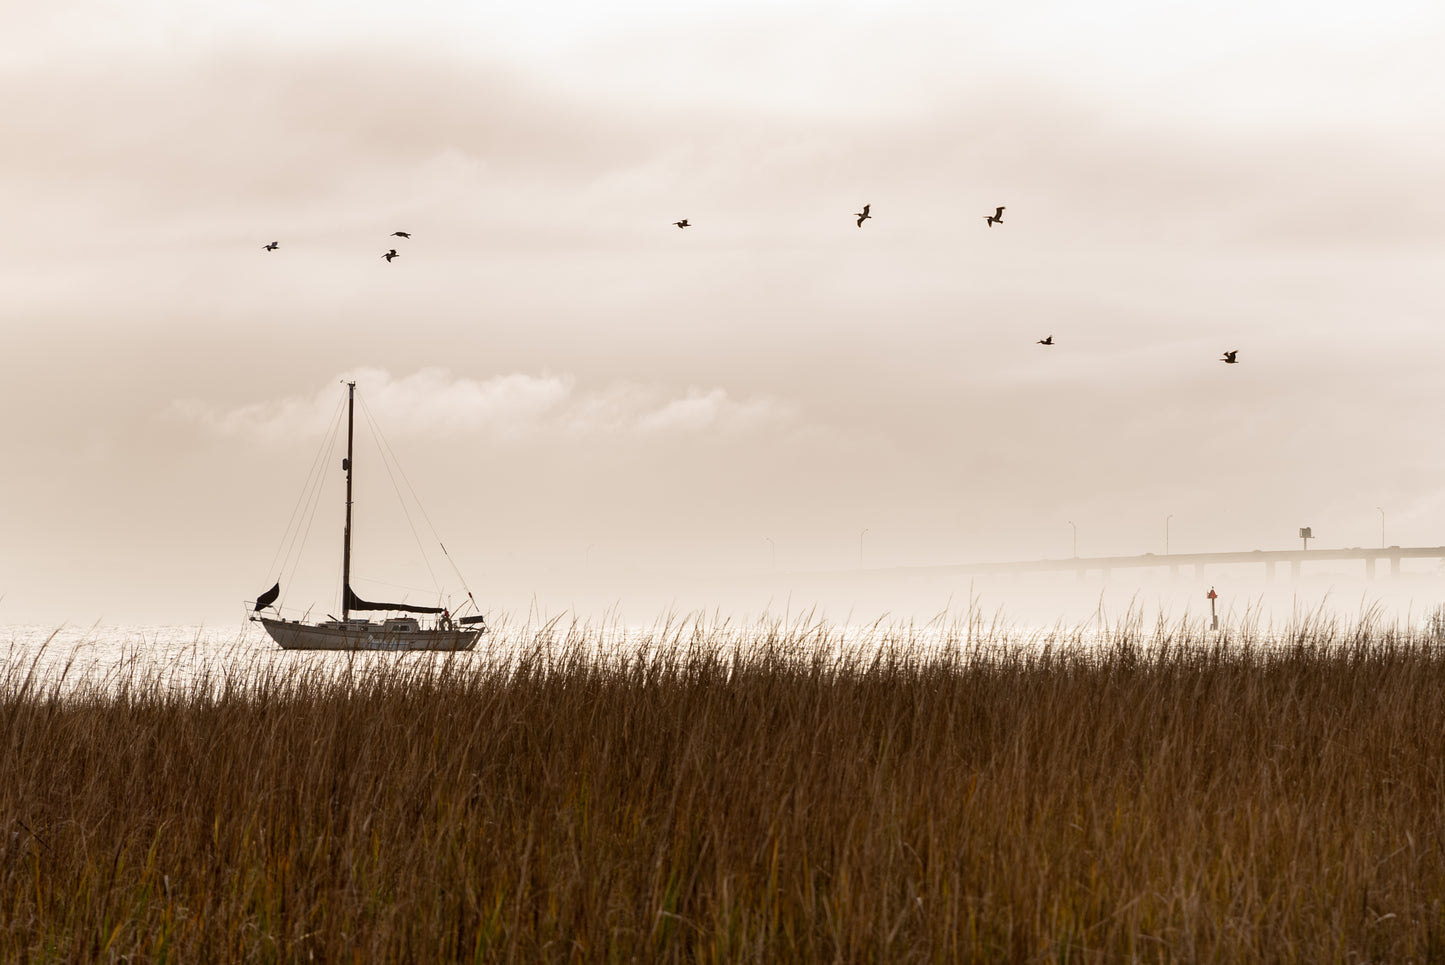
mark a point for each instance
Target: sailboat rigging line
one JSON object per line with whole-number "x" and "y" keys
{"x": 381, "y": 438}
{"x": 305, "y": 490}
{"x": 315, "y": 484}
{"x": 384, "y": 450}
{"x": 309, "y": 515}
{"x": 392, "y": 464}
{"x": 302, "y": 513}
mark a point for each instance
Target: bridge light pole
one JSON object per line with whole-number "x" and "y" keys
{"x": 1382, "y": 527}
{"x": 860, "y": 547}
{"x": 1166, "y": 533}
{"x": 1076, "y": 539}
{"x": 774, "y": 548}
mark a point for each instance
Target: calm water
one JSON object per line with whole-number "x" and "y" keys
{"x": 104, "y": 656}
{"x": 71, "y": 659}
{"x": 78, "y": 658}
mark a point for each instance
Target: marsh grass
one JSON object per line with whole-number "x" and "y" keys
{"x": 782, "y": 792}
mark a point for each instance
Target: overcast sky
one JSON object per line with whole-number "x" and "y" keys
{"x": 576, "y": 388}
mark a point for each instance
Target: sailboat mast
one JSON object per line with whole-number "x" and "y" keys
{"x": 346, "y": 534}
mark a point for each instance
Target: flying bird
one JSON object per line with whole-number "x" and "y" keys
{"x": 995, "y": 218}
{"x": 1046, "y": 341}
{"x": 863, "y": 215}
{"x": 401, "y": 234}
{"x": 272, "y": 246}
{"x": 390, "y": 255}
{"x": 683, "y": 223}
{"x": 1228, "y": 358}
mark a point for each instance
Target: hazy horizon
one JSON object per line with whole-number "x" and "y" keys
{"x": 590, "y": 401}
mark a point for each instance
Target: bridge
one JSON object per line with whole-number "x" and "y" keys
{"x": 1269, "y": 559}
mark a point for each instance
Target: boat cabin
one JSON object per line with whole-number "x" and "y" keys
{"x": 391, "y": 625}
{"x": 334, "y": 624}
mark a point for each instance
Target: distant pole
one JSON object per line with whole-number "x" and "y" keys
{"x": 774, "y": 547}
{"x": 860, "y": 548}
{"x": 1382, "y": 527}
{"x": 1213, "y": 617}
{"x": 587, "y": 556}
{"x": 1076, "y": 539}
{"x": 1306, "y": 533}
{"x": 1166, "y": 533}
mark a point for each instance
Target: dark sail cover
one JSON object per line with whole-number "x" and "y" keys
{"x": 269, "y": 597}
{"x": 354, "y": 602}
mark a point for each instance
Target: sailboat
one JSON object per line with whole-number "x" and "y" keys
{"x": 439, "y": 631}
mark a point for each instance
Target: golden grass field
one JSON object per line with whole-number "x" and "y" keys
{"x": 766, "y": 794}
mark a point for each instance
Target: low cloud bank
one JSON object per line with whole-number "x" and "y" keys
{"x": 434, "y": 401}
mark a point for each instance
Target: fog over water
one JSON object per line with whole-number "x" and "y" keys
{"x": 605, "y": 414}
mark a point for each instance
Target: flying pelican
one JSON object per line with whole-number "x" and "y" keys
{"x": 863, "y": 215}
{"x": 390, "y": 255}
{"x": 401, "y": 234}
{"x": 1228, "y": 358}
{"x": 272, "y": 246}
{"x": 995, "y": 218}
{"x": 682, "y": 224}
{"x": 1046, "y": 341}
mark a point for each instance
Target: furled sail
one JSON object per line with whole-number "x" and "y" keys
{"x": 269, "y": 597}
{"x": 354, "y": 602}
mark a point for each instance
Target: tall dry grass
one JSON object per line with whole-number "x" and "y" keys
{"x": 1160, "y": 794}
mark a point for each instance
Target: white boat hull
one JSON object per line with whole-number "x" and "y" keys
{"x": 291, "y": 635}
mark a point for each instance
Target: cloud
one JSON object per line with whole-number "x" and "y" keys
{"x": 133, "y": 156}
{"x": 435, "y": 402}
{"x": 700, "y": 410}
